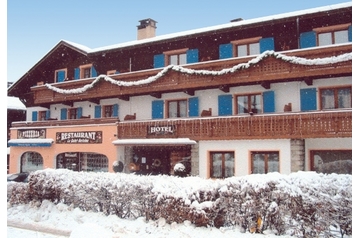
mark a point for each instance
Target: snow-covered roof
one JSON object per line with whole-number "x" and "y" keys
{"x": 14, "y": 103}
{"x": 217, "y": 27}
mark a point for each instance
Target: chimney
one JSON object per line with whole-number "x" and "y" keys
{"x": 146, "y": 29}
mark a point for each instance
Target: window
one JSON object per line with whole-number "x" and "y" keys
{"x": 60, "y": 75}
{"x": 331, "y": 161}
{"x": 108, "y": 111}
{"x": 177, "y": 108}
{"x": 334, "y": 98}
{"x": 245, "y": 47}
{"x": 176, "y": 57}
{"x": 332, "y": 34}
{"x": 79, "y": 161}
{"x": 263, "y": 162}
{"x": 222, "y": 164}
{"x": 72, "y": 113}
{"x": 250, "y": 103}
{"x": 31, "y": 161}
{"x": 85, "y": 71}
{"x": 42, "y": 116}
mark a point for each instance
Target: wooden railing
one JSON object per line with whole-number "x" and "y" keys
{"x": 264, "y": 126}
{"x": 268, "y": 71}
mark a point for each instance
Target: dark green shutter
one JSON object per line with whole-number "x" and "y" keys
{"x": 115, "y": 110}
{"x": 225, "y": 105}
{"x": 225, "y": 51}
{"x": 34, "y": 116}
{"x": 79, "y": 112}
{"x": 269, "y": 101}
{"x": 192, "y": 56}
{"x": 63, "y": 113}
{"x": 267, "y": 44}
{"x": 308, "y": 98}
{"x": 98, "y": 111}
{"x": 193, "y": 107}
{"x": 308, "y": 39}
{"x": 159, "y": 61}
{"x": 157, "y": 109}
{"x": 77, "y": 73}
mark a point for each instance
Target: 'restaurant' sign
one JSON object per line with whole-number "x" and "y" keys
{"x": 161, "y": 130}
{"x": 79, "y": 137}
{"x": 31, "y": 134}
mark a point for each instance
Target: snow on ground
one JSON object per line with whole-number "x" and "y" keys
{"x": 64, "y": 221}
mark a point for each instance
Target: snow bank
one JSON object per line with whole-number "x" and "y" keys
{"x": 299, "y": 204}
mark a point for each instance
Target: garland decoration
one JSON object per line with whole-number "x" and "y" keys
{"x": 178, "y": 68}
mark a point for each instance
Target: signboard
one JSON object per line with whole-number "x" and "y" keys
{"x": 79, "y": 137}
{"x": 31, "y": 134}
{"x": 161, "y": 130}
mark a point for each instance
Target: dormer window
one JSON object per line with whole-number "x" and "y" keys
{"x": 60, "y": 75}
{"x": 85, "y": 71}
{"x": 332, "y": 35}
{"x": 176, "y": 57}
{"x": 245, "y": 47}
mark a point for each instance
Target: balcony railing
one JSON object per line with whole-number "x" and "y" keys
{"x": 267, "y": 71}
{"x": 263, "y": 126}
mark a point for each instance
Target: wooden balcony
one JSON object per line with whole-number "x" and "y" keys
{"x": 265, "y": 72}
{"x": 330, "y": 124}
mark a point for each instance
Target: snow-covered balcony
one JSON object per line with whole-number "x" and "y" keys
{"x": 265, "y": 69}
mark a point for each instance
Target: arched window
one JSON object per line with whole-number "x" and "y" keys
{"x": 31, "y": 161}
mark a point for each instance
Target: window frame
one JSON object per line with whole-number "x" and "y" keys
{"x": 336, "y": 105}
{"x": 83, "y": 69}
{"x": 41, "y": 115}
{"x": 331, "y": 29}
{"x": 313, "y": 152}
{"x": 58, "y": 70}
{"x": 178, "y": 52}
{"x": 167, "y": 102}
{"x": 72, "y": 111}
{"x": 104, "y": 107}
{"x": 266, "y": 152}
{"x": 247, "y": 42}
{"x": 236, "y": 106}
{"x": 223, "y": 169}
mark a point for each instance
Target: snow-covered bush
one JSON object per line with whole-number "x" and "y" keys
{"x": 303, "y": 204}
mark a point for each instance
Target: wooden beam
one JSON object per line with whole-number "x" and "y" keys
{"x": 156, "y": 95}
{"x": 308, "y": 81}
{"x": 124, "y": 97}
{"x": 191, "y": 92}
{"x": 94, "y": 100}
{"x": 266, "y": 85}
{"x": 68, "y": 103}
{"x": 224, "y": 88}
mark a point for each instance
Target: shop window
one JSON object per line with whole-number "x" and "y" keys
{"x": 31, "y": 161}
{"x": 177, "y": 108}
{"x": 222, "y": 164}
{"x": 331, "y": 161}
{"x": 60, "y": 75}
{"x": 82, "y": 161}
{"x": 334, "y": 98}
{"x": 263, "y": 162}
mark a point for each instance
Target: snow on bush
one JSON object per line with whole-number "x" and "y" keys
{"x": 303, "y": 204}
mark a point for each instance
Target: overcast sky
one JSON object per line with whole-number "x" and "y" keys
{"x": 35, "y": 27}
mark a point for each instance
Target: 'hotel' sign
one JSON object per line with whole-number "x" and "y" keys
{"x": 161, "y": 130}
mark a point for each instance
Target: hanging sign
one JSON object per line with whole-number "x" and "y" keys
{"x": 79, "y": 137}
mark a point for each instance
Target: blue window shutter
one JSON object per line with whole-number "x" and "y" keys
{"x": 98, "y": 111}
{"x": 225, "y": 105}
{"x": 93, "y": 72}
{"x": 350, "y": 33}
{"x": 115, "y": 110}
{"x": 79, "y": 112}
{"x": 308, "y": 39}
{"x": 77, "y": 73}
{"x": 63, "y": 113}
{"x": 192, "y": 56}
{"x": 269, "y": 101}
{"x": 48, "y": 114}
{"x": 225, "y": 51}
{"x": 157, "y": 109}
{"x": 159, "y": 61}
{"x": 34, "y": 116}
{"x": 60, "y": 76}
{"x": 308, "y": 99}
{"x": 193, "y": 107}
{"x": 267, "y": 44}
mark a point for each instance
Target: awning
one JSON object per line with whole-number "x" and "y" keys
{"x": 31, "y": 142}
{"x": 159, "y": 141}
